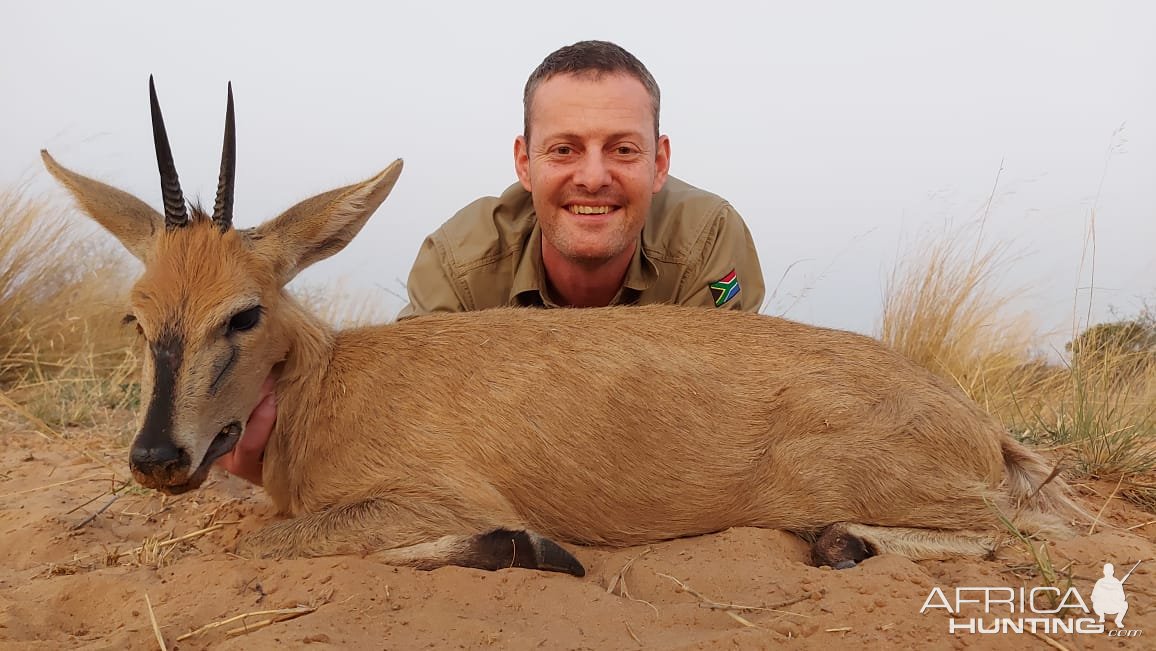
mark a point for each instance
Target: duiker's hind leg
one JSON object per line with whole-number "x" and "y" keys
{"x": 844, "y": 544}
{"x": 425, "y": 539}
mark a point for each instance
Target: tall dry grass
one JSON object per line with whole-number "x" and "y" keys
{"x": 63, "y": 351}
{"x": 1106, "y": 405}
{"x": 945, "y": 309}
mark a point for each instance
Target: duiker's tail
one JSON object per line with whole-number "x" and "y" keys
{"x": 1040, "y": 500}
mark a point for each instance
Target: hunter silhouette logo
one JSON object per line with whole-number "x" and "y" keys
{"x": 989, "y": 610}
{"x": 1108, "y": 596}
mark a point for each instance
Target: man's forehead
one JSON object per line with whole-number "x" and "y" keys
{"x": 566, "y": 83}
{"x": 612, "y": 102}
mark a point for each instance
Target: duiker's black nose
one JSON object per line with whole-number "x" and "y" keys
{"x": 154, "y": 459}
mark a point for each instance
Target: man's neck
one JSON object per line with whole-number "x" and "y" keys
{"x": 580, "y": 284}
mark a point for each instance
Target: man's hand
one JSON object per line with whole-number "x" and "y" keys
{"x": 246, "y": 458}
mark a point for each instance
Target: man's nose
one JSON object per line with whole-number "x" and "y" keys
{"x": 593, "y": 174}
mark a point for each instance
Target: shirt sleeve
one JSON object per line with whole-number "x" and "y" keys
{"x": 728, "y": 274}
{"x": 430, "y": 286}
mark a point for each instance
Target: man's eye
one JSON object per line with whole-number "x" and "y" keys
{"x": 564, "y": 150}
{"x": 245, "y": 320}
{"x": 625, "y": 151}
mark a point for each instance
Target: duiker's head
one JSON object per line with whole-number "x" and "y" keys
{"x": 209, "y": 302}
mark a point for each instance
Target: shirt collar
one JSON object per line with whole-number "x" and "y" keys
{"x": 529, "y": 287}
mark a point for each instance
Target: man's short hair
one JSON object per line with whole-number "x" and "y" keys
{"x": 591, "y": 59}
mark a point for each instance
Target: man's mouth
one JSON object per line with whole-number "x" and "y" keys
{"x": 594, "y": 211}
{"x": 590, "y": 210}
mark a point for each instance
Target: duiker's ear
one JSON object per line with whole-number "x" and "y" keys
{"x": 129, "y": 219}
{"x": 322, "y": 225}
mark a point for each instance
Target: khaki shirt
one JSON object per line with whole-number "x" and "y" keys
{"x": 695, "y": 251}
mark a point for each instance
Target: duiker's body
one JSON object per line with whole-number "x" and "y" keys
{"x": 627, "y": 425}
{"x": 624, "y": 426}
{"x": 475, "y": 438}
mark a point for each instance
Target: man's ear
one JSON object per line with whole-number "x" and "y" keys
{"x": 522, "y": 161}
{"x": 661, "y": 162}
{"x": 322, "y": 225}
{"x": 129, "y": 219}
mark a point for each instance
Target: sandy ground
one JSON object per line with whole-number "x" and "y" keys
{"x": 67, "y": 582}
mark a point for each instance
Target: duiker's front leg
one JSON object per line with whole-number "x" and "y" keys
{"x": 407, "y": 536}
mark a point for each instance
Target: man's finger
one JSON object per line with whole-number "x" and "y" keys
{"x": 245, "y": 459}
{"x": 268, "y": 385}
{"x": 258, "y": 428}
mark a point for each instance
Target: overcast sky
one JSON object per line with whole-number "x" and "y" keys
{"x": 841, "y": 131}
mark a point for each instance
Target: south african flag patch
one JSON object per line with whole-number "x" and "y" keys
{"x": 725, "y": 288}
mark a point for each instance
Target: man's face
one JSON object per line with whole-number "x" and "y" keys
{"x": 592, "y": 164}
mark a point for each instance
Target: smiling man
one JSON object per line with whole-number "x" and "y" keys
{"x": 594, "y": 219}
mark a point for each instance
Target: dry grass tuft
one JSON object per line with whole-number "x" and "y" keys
{"x": 155, "y": 551}
{"x": 1141, "y": 493}
{"x": 1104, "y": 407}
{"x": 945, "y": 310}
{"x": 63, "y": 352}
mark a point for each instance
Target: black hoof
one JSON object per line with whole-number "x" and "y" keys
{"x": 839, "y": 548}
{"x": 502, "y": 548}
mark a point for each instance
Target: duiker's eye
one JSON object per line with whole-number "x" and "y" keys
{"x": 245, "y": 320}
{"x": 130, "y": 319}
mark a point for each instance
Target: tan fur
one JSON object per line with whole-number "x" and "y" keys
{"x": 614, "y": 426}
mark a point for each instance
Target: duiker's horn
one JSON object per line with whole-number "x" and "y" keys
{"x": 223, "y": 208}
{"x": 176, "y": 213}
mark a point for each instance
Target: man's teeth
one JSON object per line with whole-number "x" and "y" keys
{"x": 589, "y": 210}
